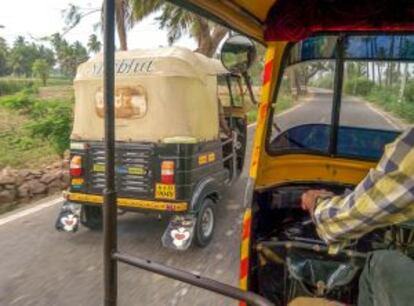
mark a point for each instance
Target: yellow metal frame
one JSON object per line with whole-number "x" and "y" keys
{"x": 273, "y": 60}
{"x": 267, "y": 170}
{"x": 130, "y": 203}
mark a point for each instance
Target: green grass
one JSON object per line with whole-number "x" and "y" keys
{"x": 42, "y": 120}
{"x": 18, "y": 148}
{"x": 387, "y": 99}
{"x": 285, "y": 101}
{"x": 10, "y": 85}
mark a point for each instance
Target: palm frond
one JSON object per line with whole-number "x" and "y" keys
{"x": 143, "y": 8}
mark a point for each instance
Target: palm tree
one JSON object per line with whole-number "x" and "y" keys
{"x": 178, "y": 22}
{"x": 94, "y": 45}
{"x": 74, "y": 15}
{"x": 123, "y": 21}
{"x": 175, "y": 20}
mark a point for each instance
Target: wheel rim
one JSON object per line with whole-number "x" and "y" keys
{"x": 207, "y": 222}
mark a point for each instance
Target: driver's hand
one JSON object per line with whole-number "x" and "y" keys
{"x": 309, "y": 198}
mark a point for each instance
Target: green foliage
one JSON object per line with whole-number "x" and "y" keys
{"x": 53, "y": 122}
{"x": 41, "y": 69}
{"x": 409, "y": 92}
{"x": 359, "y": 86}
{"x": 284, "y": 102}
{"x": 23, "y": 54}
{"x": 50, "y": 120}
{"x": 252, "y": 115}
{"x": 387, "y": 98}
{"x": 21, "y": 102}
{"x": 11, "y": 86}
{"x": 18, "y": 148}
{"x": 4, "y": 53}
{"x": 325, "y": 81}
{"x": 94, "y": 45}
{"x": 69, "y": 56}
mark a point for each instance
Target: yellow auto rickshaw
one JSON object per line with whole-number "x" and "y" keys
{"x": 335, "y": 91}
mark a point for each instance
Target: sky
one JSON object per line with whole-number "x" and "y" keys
{"x": 39, "y": 18}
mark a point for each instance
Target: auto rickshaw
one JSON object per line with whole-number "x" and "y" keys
{"x": 180, "y": 121}
{"x": 316, "y": 128}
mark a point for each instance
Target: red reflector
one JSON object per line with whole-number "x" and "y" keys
{"x": 167, "y": 172}
{"x": 75, "y": 172}
{"x": 167, "y": 179}
{"x": 75, "y": 168}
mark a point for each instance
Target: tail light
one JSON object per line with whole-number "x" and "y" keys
{"x": 76, "y": 165}
{"x": 167, "y": 172}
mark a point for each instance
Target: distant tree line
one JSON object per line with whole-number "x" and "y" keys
{"x": 25, "y": 59}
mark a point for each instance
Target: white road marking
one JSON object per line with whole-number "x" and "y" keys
{"x": 251, "y": 125}
{"x": 290, "y": 110}
{"x": 384, "y": 116}
{"x": 29, "y": 211}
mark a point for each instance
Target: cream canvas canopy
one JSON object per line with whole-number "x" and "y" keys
{"x": 160, "y": 94}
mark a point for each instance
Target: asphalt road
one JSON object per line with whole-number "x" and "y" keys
{"x": 39, "y": 266}
{"x": 317, "y": 108}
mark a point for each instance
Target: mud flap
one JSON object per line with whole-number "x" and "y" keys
{"x": 179, "y": 233}
{"x": 69, "y": 217}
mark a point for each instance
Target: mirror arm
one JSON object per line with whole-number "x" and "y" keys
{"x": 195, "y": 280}
{"x": 248, "y": 82}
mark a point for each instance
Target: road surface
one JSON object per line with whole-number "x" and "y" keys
{"x": 39, "y": 266}
{"x": 354, "y": 112}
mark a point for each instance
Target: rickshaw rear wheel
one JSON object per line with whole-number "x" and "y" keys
{"x": 205, "y": 223}
{"x": 91, "y": 217}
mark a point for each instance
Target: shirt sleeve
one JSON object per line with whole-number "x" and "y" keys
{"x": 384, "y": 197}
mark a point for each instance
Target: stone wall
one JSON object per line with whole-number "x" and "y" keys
{"x": 25, "y": 185}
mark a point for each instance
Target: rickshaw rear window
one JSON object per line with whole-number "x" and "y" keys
{"x": 375, "y": 105}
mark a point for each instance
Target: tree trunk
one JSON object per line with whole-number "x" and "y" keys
{"x": 403, "y": 83}
{"x": 296, "y": 78}
{"x": 120, "y": 10}
{"x": 379, "y": 74}
{"x": 373, "y": 71}
{"x": 207, "y": 39}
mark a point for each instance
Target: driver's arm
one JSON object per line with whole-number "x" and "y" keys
{"x": 384, "y": 197}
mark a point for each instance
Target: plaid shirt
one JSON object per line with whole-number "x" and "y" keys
{"x": 384, "y": 197}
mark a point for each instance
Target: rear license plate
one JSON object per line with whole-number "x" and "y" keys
{"x": 164, "y": 191}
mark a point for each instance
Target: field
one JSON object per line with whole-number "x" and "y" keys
{"x": 35, "y": 122}
{"x": 18, "y": 148}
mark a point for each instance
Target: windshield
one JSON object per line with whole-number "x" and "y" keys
{"x": 373, "y": 77}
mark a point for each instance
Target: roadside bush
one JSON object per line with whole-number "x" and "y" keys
{"x": 359, "y": 86}
{"x": 53, "y": 121}
{"x": 20, "y": 101}
{"x": 409, "y": 92}
{"x": 49, "y": 119}
{"x": 10, "y": 86}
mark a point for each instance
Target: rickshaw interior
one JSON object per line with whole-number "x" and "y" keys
{"x": 323, "y": 108}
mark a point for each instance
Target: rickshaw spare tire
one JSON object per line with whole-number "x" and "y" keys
{"x": 205, "y": 223}
{"x": 91, "y": 217}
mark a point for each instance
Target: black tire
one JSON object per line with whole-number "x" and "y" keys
{"x": 203, "y": 232}
{"x": 91, "y": 217}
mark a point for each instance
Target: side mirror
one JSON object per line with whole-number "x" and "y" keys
{"x": 238, "y": 54}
